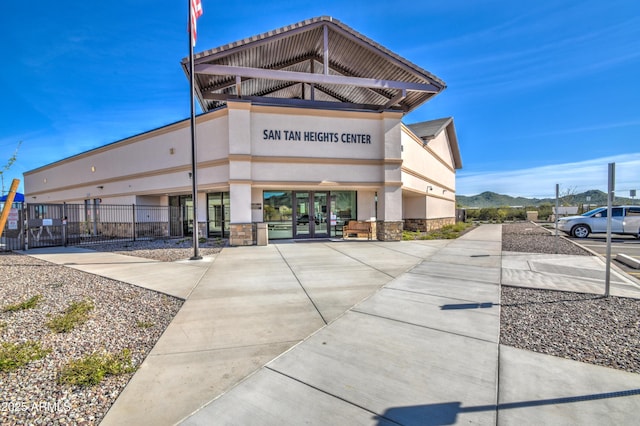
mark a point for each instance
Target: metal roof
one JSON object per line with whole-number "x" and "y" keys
{"x": 428, "y": 130}
{"x": 320, "y": 62}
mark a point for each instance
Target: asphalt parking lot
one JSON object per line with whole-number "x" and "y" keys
{"x": 626, "y": 244}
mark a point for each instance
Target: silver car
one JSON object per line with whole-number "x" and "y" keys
{"x": 624, "y": 220}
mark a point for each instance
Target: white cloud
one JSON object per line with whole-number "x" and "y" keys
{"x": 540, "y": 182}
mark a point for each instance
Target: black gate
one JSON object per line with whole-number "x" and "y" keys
{"x": 46, "y": 225}
{"x": 13, "y": 234}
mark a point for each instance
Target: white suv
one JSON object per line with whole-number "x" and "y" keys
{"x": 624, "y": 220}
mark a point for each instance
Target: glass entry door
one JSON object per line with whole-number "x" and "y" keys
{"x": 186, "y": 204}
{"x": 311, "y": 214}
{"x": 219, "y": 213}
{"x": 181, "y": 215}
{"x": 321, "y": 214}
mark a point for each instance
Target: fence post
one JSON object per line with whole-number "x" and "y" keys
{"x": 22, "y": 225}
{"x": 64, "y": 224}
{"x": 133, "y": 210}
{"x": 94, "y": 207}
{"x": 26, "y": 228}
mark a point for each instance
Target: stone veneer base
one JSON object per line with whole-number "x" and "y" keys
{"x": 426, "y": 225}
{"x": 389, "y": 231}
{"x": 241, "y": 234}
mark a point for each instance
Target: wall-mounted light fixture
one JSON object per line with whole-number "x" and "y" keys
{"x": 426, "y": 209}
{"x": 444, "y": 190}
{"x": 190, "y": 175}
{"x": 100, "y": 187}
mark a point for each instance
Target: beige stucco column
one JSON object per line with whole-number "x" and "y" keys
{"x": 240, "y": 227}
{"x": 389, "y": 215}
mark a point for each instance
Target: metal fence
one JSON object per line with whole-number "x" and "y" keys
{"x": 13, "y": 236}
{"x": 43, "y": 225}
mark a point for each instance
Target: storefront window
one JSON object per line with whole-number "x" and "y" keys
{"x": 278, "y": 211}
{"x": 343, "y": 209}
{"x": 316, "y": 218}
{"x": 218, "y": 214}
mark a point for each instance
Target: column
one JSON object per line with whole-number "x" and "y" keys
{"x": 240, "y": 226}
{"x": 389, "y": 215}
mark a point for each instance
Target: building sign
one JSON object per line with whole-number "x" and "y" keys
{"x": 312, "y": 136}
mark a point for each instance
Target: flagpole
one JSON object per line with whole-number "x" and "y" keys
{"x": 194, "y": 174}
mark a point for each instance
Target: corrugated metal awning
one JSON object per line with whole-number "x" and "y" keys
{"x": 319, "y": 62}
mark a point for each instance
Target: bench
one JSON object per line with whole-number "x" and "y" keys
{"x": 358, "y": 228}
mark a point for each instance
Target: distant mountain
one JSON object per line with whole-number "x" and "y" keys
{"x": 491, "y": 199}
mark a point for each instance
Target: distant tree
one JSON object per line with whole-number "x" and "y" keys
{"x": 568, "y": 196}
{"x": 489, "y": 213}
{"x": 472, "y": 214}
{"x": 544, "y": 211}
{"x": 8, "y": 165}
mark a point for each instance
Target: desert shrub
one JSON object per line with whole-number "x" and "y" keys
{"x": 16, "y": 355}
{"x": 91, "y": 369}
{"x": 77, "y": 313}
{"x": 27, "y": 304}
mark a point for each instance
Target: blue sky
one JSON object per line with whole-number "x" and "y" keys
{"x": 542, "y": 93}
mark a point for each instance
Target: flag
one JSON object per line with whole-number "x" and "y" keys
{"x": 196, "y": 12}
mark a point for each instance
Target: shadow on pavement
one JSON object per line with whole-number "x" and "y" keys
{"x": 447, "y": 413}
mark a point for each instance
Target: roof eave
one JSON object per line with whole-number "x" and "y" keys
{"x": 420, "y": 80}
{"x": 453, "y": 143}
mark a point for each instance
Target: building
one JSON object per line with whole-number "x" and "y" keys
{"x": 302, "y": 129}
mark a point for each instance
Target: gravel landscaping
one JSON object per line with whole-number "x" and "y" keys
{"x": 164, "y": 250}
{"x": 528, "y": 237}
{"x": 583, "y": 327}
{"x": 123, "y": 317}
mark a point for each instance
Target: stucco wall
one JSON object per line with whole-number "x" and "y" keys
{"x": 154, "y": 162}
{"x": 427, "y": 168}
{"x": 159, "y": 162}
{"x": 246, "y": 149}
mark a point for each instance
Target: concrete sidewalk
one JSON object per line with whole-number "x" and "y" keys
{"x": 424, "y": 350}
{"x": 175, "y": 279}
{"x": 360, "y": 333}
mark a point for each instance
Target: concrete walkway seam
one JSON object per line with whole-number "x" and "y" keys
{"x": 286, "y": 262}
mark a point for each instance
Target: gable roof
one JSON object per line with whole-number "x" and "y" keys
{"x": 319, "y": 62}
{"x": 428, "y": 130}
